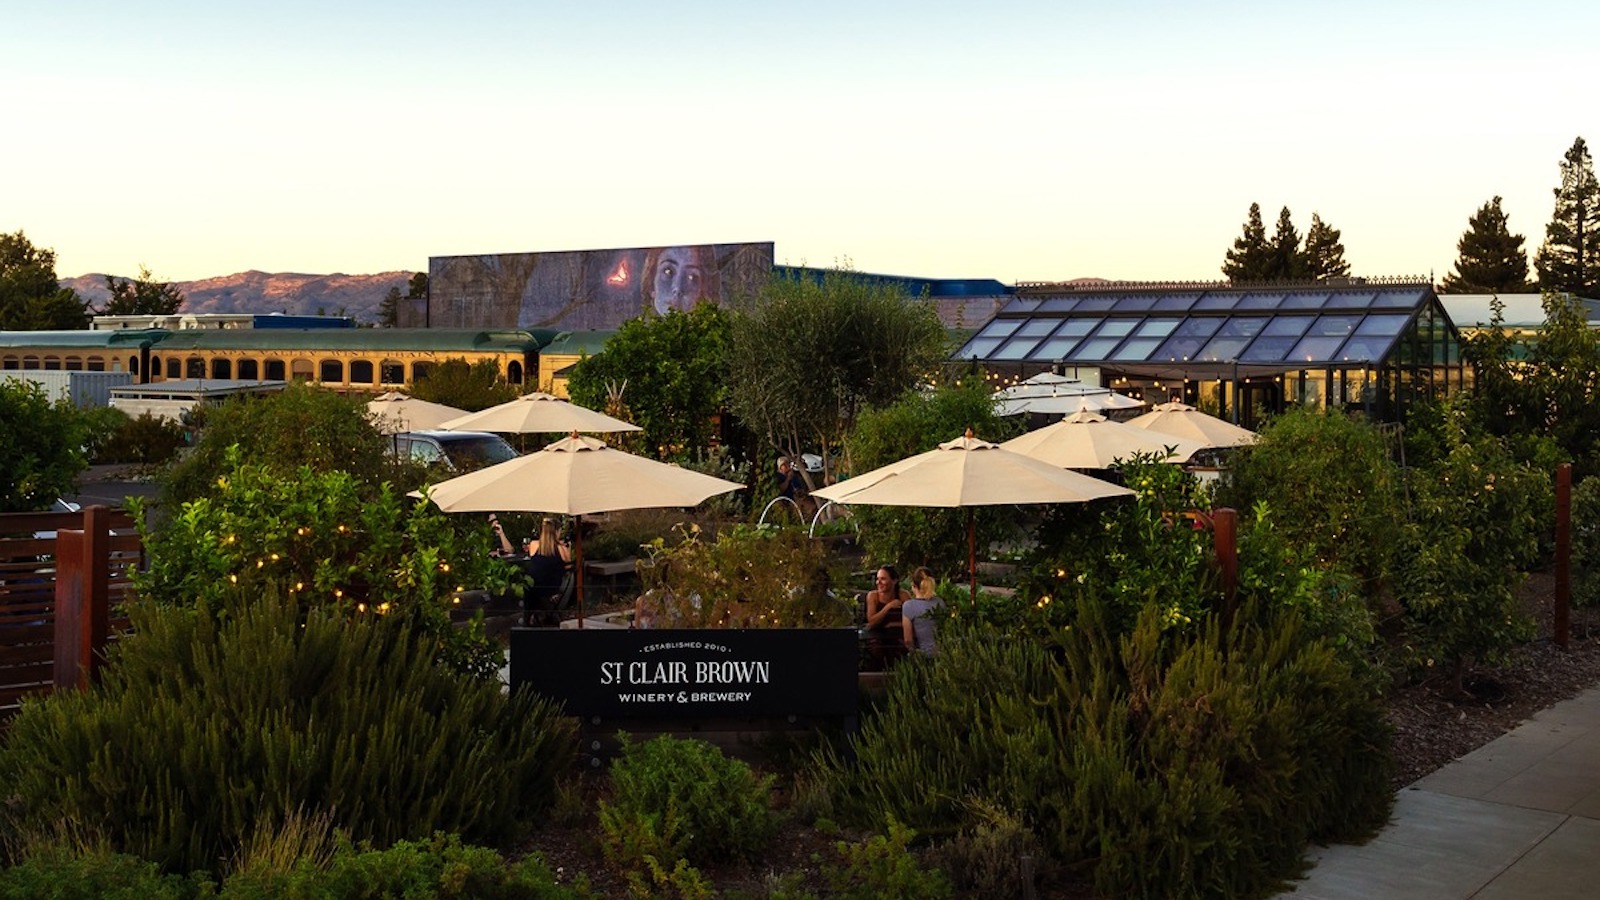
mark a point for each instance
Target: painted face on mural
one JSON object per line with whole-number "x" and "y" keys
{"x": 680, "y": 280}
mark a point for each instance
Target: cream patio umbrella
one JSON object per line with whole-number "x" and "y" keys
{"x": 535, "y": 412}
{"x": 395, "y": 412}
{"x": 1087, "y": 440}
{"x": 1183, "y": 421}
{"x": 577, "y": 476}
{"x": 967, "y": 473}
{"x": 1064, "y": 399}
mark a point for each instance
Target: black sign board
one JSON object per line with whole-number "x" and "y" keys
{"x": 674, "y": 673}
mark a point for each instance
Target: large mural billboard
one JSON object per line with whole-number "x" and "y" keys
{"x": 585, "y": 290}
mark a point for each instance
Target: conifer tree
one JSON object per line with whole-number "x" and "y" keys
{"x": 1570, "y": 258}
{"x": 1286, "y": 260}
{"x": 1323, "y": 257}
{"x": 1491, "y": 259}
{"x": 1251, "y": 256}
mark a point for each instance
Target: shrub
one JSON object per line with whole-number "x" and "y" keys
{"x": 333, "y": 545}
{"x": 146, "y": 439}
{"x": 675, "y": 799}
{"x": 1586, "y": 543}
{"x": 472, "y": 387}
{"x": 40, "y": 447}
{"x": 96, "y": 875}
{"x": 883, "y": 867}
{"x": 999, "y": 856}
{"x": 216, "y": 720}
{"x": 746, "y": 578}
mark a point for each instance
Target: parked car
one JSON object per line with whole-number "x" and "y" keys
{"x": 462, "y": 451}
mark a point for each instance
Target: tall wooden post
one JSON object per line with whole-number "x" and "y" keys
{"x": 1225, "y": 532}
{"x": 1563, "y": 599}
{"x": 82, "y": 598}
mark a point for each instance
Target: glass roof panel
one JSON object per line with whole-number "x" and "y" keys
{"x": 1078, "y": 327}
{"x": 1217, "y": 301}
{"x": 1135, "y": 303}
{"x": 1058, "y": 305}
{"x": 1366, "y": 349}
{"x": 999, "y": 328}
{"x": 1186, "y": 342}
{"x": 1243, "y": 326}
{"x": 1382, "y": 324}
{"x": 1331, "y": 326}
{"x": 1407, "y": 298}
{"x": 1259, "y": 301}
{"x": 1097, "y": 348}
{"x": 1268, "y": 349}
{"x": 1157, "y": 327}
{"x": 1350, "y": 300}
{"x": 1058, "y": 347}
{"x": 1016, "y": 348}
{"x": 1317, "y": 348}
{"x": 1234, "y": 335}
{"x": 1305, "y": 301}
{"x": 1096, "y": 304}
{"x": 1136, "y": 348}
{"x": 1021, "y": 305}
{"x": 1199, "y": 326}
{"x": 978, "y": 347}
{"x": 1116, "y": 328}
{"x": 1287, "y": 326}
{"x": 1037, "y": 327}
{"x": 1176, "y": 302}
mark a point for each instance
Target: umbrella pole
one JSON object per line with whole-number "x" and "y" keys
{"x": 972, "y": 553}
{"x": 577, "y": 562}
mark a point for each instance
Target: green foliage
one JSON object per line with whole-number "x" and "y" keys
{"x": 672, "y": 373}
{"x": 1331, "y": 484}
{"x": 656, "y": 880}
{"x": 121, "y": 439}
{"x": 1569, "y": 259}
{"x": 96, "y": 875}
{"x": 144, "y": 296}
{"x": 31, "y": 298}
{"x": 1586, "y": 543}
{"x": 470, "y": 387}
{"x": 745, "y": 578}
{"x": 884, "y": 868}
{"x": 303, "y": 425}
{"x": 999, "y": 856}
{"x": 1251, "y": 256}
{"x": 626, "y": 534}
{"x": 41, "y": 446}
{"x": 678, "y": 799}
{"x": 1475, "y": 523}
{"x": 1255, "y": 257}
{"x": 1490, "y": 260}
{"x": 216, "y": 720}
{"x": 916, "y": 422}
{"x": 1323, "y": 256}
{"x": 333, "y": 546}
{"x": 440, "y": 867}
{"x": 972, "y": 724}
{"x": 809, "y": 354}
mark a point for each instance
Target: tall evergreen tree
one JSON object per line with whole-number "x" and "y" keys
{"x": 389, "y": 308}
{"x": 1251, "y": 256}
{"x": 1323, "y": 257}
{"x": 144, "y": 296}
{"x": 1570, "y": 258}
{"x": 1490, "y": 258}
{"x": 1286, "y": 260}
{"x": 31, "y": 298}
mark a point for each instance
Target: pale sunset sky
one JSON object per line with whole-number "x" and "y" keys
{"x": 1009, "y": 140}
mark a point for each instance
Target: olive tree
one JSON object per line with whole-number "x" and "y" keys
{"x": 41, "y": 446}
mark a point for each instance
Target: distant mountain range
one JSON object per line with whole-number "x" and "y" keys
{"x": 266, "y": 292}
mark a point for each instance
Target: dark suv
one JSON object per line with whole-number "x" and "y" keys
{"x": 463, "y": 451}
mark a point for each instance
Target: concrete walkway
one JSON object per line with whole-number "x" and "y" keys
{"x": 1517, "y": 818}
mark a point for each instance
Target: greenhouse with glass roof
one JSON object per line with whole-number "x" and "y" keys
{"x": 1368, "y": 346}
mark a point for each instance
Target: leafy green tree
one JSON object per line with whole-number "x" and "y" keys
{"x": 809, "y": 354}
{"x": 1490, "y": 260}
{"x": 1287, "y": 262}
{"x": 31, "y": 298}
{"x": 417, "y": 287}
{"x": 389, "y": 308}
{"x": 470, "y": 387}
{"x": 303, "y": 425}
{"x": 670, "y": 372}
{"x": 144, "y": 296}
{"x": 917, "y": 422}
{"x": 41, "y": 446}
{"x": 1570, "y": 258}
{"x": 1323, "y": 256}
{"x": 1251, "y": 258}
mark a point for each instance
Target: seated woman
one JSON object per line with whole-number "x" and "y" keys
{"x": 917, "y": 627}
{"x": 885, "y": 641}
{"x": 546, "y": 566}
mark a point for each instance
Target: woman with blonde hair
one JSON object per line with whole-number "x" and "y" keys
{"x": 546, "y": 567}
{"x": 916, "y": 625}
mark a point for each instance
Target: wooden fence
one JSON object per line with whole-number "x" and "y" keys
{"x": 61, "y": 575}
